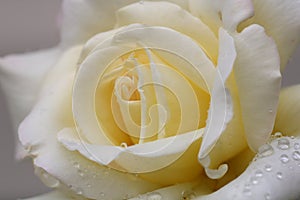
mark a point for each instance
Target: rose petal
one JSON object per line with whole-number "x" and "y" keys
{"x": 172, "y": 16}
{"x": 20, "y": 79}
{"x": 51, "y": 196}
{"x": 180, "y": 191}
{"x": 160, "y": 156}
{"x": 273, "y": 176}
{"x": 258, "y": 78}
{"x": 217, "y": 13}
{"x": 83, "y": 19}
{"x": 288, "y": 115}
{"x": 220, "y": 111}
{"x": 38, "y": 132}
{"x": 281, "y": 21}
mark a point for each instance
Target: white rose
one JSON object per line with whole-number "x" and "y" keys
{"x": 161, "y": 97}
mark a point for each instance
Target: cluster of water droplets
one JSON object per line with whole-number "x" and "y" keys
{"x": 283, "y": 145}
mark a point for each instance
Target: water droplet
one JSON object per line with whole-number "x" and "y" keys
{"x": 80, "y": 172}
{"x": 49, "y": 180}
{"x": 76, "y": 165}
{"x": 292, "y": 137}
{"x": 279, "y": 175}
{"x": 297, "y": 146}
{"x": 154, "y": 196}
{"x": 187, "y": 195}
{"x": 89, "y": 185}
{"x": 102, "y": 195}
{"x": 278, "y": 134}
{"x": 76, "y": 190}
{"x": 296, "y": 155}
{"x": 267, "y": 196}
{"x": 254, "y": 180}
{"x": 265, "y": 150}
{"x": 268, "y": 168}
{"x": 258, "y": 173}
{"x": 270, "y": 111}
{"x": 247, "y": 186}
{"x": 283, "y": 144}
{"x": 141, "y": 1}
{"x": 284, "y": 158}
{"x": 124, "y": 145}
{"x": 247, "y": 192}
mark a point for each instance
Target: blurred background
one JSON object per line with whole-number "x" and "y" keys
{"x": 31, "y": 25}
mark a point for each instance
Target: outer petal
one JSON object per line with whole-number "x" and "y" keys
{"x": 20, "y": 79}
{"x": 274, "y": 174}
{"x": 281, "y": 21}
{"x": 217, "y": 13}
{"x": 257, "y": 73}
{"x": 38, "y": 132}
{"x": 288, "y": 115}
{"x": 55, "y": 195}
{"x": 171, "y": 16}
{"x": 83, "y": 19}
{"x": 180, "y": 191}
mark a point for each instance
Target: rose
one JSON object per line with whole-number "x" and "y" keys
{"x": 232, "y": 91}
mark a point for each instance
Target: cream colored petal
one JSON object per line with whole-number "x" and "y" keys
{"x": 144, "y": 158}
{"x": 281, "y": 21}
{"x": 185, "y": 52}
{"x": 84, "y": 19}
{"x": 20, "y": 78}
{"x": 218, "y": 13}
{"x": 220, "y": 111}
{"x": 274, "y": 174}
{"x": 170, "y": 15}
{"x": 38, "y": 132}
{"x": 258, "y": 78}
{"x": 180, "y": 191}
{"x": 288, "y": 114}
{"x": 55, "y": 195}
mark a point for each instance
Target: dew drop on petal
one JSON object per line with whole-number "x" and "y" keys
{"x": 284, "y": 158}
{"x": 265, "y": 150}
{"x": 76, "y": 165}
{"x": 278, "y": 134}
{"x": 254, "y": 180}
{"x": 258, "y": 173}
{"x": 247, "y": 192}
{"x": 283, "y": 144}
{"x": 267, "y": 196}
{"x": 124, "y": 145}
{"x": 279, "y": 175}
{"x": 102, "y": 195}
{"x": 297, "y": 146}
{"x": 296, "y": 155}
{"x": 154, "y": 196}
{"x": 81, "y": 173}
{"x": 187, "y": 195}
{"x": 268, "y": 168}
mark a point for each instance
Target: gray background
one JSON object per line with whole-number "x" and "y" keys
{"x": 30, "y": 25}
